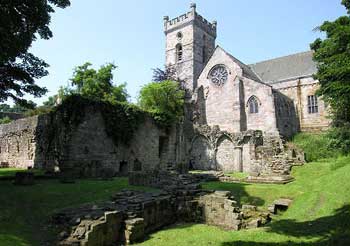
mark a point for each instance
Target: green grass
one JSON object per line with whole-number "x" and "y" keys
{"x": 319, "y": 214}
{"x": 238, "y": 175}
{"x": 10, "y": 172}
{"x": 25, "y": 210}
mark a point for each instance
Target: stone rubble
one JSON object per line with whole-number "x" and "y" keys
{"x": 131, "y": 215}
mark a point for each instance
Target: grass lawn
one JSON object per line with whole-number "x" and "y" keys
{"x": 25, "y": 210}
{"x": 10, "y": 172}
{"x": 319, "y": 215}
{"x": 238, "y": 175}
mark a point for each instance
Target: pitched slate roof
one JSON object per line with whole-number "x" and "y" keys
{"x": 286, "y": 67}
{"x": 247, "y": 71}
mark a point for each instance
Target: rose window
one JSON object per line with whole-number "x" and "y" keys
{"x": 218, "y": 75}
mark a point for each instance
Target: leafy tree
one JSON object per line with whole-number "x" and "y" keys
{"x": 17, "y": 108}
{"x": 169, "y": 73}
{"x": 51, "y": 101}
{"x": 97, "y": 84}
{"x": 21, "y": 22}
{"x": 164, "y": 100}
{"x": 332, "y": 55}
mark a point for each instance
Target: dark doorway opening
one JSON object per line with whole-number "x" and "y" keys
{"x": 123, "y": 168}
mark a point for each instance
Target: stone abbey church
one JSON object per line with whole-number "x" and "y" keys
{"x": 230, "y": 99}
{"x": 237, "y": 117}
{"x": 276, "y": 95}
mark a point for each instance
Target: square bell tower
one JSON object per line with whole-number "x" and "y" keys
{"x": 190, "y": 41}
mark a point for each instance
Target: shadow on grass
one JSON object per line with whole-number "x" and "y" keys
{"x": 333, "y": 230}
{"x": 238, "y": 190}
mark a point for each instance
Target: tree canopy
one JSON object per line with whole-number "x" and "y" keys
{"x": 16, "y": 108}
{"x": 97, "y": 84}
{"x": 164, "y": 100}
{"x": 332, "y": 55}
{"x": 21, "y": 23}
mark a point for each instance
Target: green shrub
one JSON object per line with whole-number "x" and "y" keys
{"x": 316, "y": 146}
{"x": 5, "y": 120}
{"x": 339, "y": 138}
{"x": 38, "y": 111}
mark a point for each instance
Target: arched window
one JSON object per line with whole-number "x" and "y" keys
{"x": 253, "y": 104}
{"x": 179, "y": 52}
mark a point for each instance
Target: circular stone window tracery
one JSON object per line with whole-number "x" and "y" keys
{"x": 218, "y": 75}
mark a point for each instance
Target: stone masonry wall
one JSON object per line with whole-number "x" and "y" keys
{"x": 286, "y": 115}
{"x": 86, "y": 150}
{"x": 17, "y": 143}
{"x": 140, "y": 213}
{"x": 197, "y": 37}
{"x": 251, "y": 151}
{"x": 298, "y": 90}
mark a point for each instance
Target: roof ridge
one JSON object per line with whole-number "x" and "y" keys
{"x": 280, "y": 57}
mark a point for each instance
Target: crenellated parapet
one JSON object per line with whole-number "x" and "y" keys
{"x": 188, "y": 18}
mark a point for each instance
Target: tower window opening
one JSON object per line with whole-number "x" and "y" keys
{"x": 179, "y": 52}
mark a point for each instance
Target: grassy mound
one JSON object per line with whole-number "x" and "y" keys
{"x": 319, "y": 214}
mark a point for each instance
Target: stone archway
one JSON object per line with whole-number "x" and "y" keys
{"x": 225, "y": 155}
{"x": 201, "y": 154}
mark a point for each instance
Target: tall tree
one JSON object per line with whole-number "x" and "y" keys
{"x": 21, "y": 23}
{"x": 164, "y": 100}
{"x": 332, "y": 55}
{"x": 98, "y": 84}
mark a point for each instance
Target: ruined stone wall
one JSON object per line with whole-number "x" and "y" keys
{"x": 18, "y": 142}
{"x": 298, "y": 90}
{"x": 12, "y": 116}
{"x": 87, "y": 150}
{"x": 213, "y": 149}
{"x": 253, "y": 152}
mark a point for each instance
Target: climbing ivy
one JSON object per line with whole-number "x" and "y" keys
{"x": 121, "y": 119}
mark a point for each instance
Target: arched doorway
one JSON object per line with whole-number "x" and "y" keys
{"x": 225, "y": 155}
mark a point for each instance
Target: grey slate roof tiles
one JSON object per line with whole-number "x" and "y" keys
{"x": 286, "y": 67}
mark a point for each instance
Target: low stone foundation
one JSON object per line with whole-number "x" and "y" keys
{"x": 130, "y": 215}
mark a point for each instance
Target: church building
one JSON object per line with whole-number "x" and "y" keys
{"x": 240, "y": 114}
{"x": 274, "y": 96}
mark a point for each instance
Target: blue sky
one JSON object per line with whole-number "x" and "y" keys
{"x": 130, "y": 34}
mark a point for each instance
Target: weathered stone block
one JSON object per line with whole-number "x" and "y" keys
{"x": 134, "y": 230}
